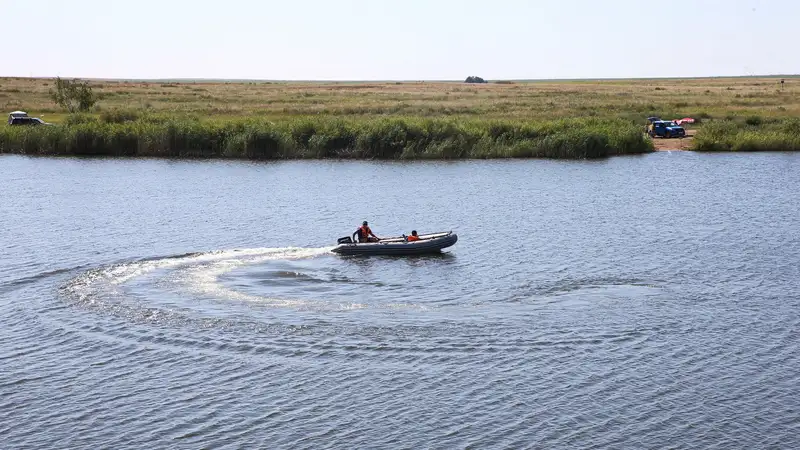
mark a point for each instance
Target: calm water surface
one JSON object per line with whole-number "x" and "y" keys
{"x": 638, "y": 302}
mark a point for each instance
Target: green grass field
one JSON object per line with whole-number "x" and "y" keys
{"x": 565, "y": 119}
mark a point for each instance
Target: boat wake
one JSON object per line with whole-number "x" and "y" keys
{"x": 282, "y": 302}
{"x": 179, "y": 283}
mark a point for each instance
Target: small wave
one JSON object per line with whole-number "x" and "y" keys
{"x": 571, "y": 285}
{"x": 292, "y": 275}
{"x": 23, "y": 281}
{"x": 584, "y": 291}
{"x": 180, "y": 256}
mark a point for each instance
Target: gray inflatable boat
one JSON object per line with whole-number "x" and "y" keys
{"x": 427, "y": 243}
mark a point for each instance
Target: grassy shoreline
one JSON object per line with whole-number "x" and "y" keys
{"x": 402, "y": 120}
{"x": 751, "y": 134}
{"x": 403, "y": 138}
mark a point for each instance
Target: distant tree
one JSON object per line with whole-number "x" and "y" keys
{"x": 73, "y": 95}
{"x": 473, "y": 79}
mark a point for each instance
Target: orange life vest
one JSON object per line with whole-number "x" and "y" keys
{"x": 365, "y": 231}
{"x": 413, "y": 238}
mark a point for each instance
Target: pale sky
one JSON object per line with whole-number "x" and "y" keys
{"x": 398, "y": 40}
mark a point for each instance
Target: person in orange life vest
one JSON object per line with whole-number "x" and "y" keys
{"x": 414, "y": 236}
{"x": 365, "y": 234}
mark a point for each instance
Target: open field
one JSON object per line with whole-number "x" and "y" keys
{"x": 748, "y": 105}
{"x": 626, "y": 99}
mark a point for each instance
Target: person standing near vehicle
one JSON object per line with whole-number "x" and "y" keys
{"x": 365, "y": 234}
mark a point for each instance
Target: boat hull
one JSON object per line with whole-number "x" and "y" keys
{"x": 428, "y": 244}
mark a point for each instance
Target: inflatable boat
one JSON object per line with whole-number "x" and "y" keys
{"x": 427, "y": 243}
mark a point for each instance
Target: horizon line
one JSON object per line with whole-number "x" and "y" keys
{"x": 488, "y": 80}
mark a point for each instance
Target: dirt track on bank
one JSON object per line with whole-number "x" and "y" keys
{"x": 668, "y": 145}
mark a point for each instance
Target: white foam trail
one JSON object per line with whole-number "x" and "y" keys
{"x": 204, "y": 279}
{"x": 100, "y": 284}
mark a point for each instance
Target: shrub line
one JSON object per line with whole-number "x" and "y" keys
{"x": 133, "y": 134}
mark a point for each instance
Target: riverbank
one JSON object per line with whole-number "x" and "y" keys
{"x": 404, "y": 120}
{"x": 675, "y": 144}
{"x": 319, "y": 137}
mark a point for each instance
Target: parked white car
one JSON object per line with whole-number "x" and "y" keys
{"x": 16, "y": 115}
{"x": 22, "y": 118}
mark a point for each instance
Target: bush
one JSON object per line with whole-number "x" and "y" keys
{"x": 77, "y": 119}
{"x": 255, "y": 143}
{"x": 73, "y": 95}
{"x": 119, "y": 116}
{"x": 754, "y": 120}
{"x": 473, "y": 79}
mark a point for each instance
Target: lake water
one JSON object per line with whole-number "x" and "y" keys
{"x": 633, "y": 302}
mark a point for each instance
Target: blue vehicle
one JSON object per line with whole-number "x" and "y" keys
{"x": 650, "y": 121}
{"x": 666, "y": 129}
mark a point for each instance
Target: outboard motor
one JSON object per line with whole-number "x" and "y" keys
{"x": 345, "y": 240}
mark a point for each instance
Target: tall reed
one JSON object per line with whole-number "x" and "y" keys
{"x": 121, "y": 134}
{"x": 751, "y": 134}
